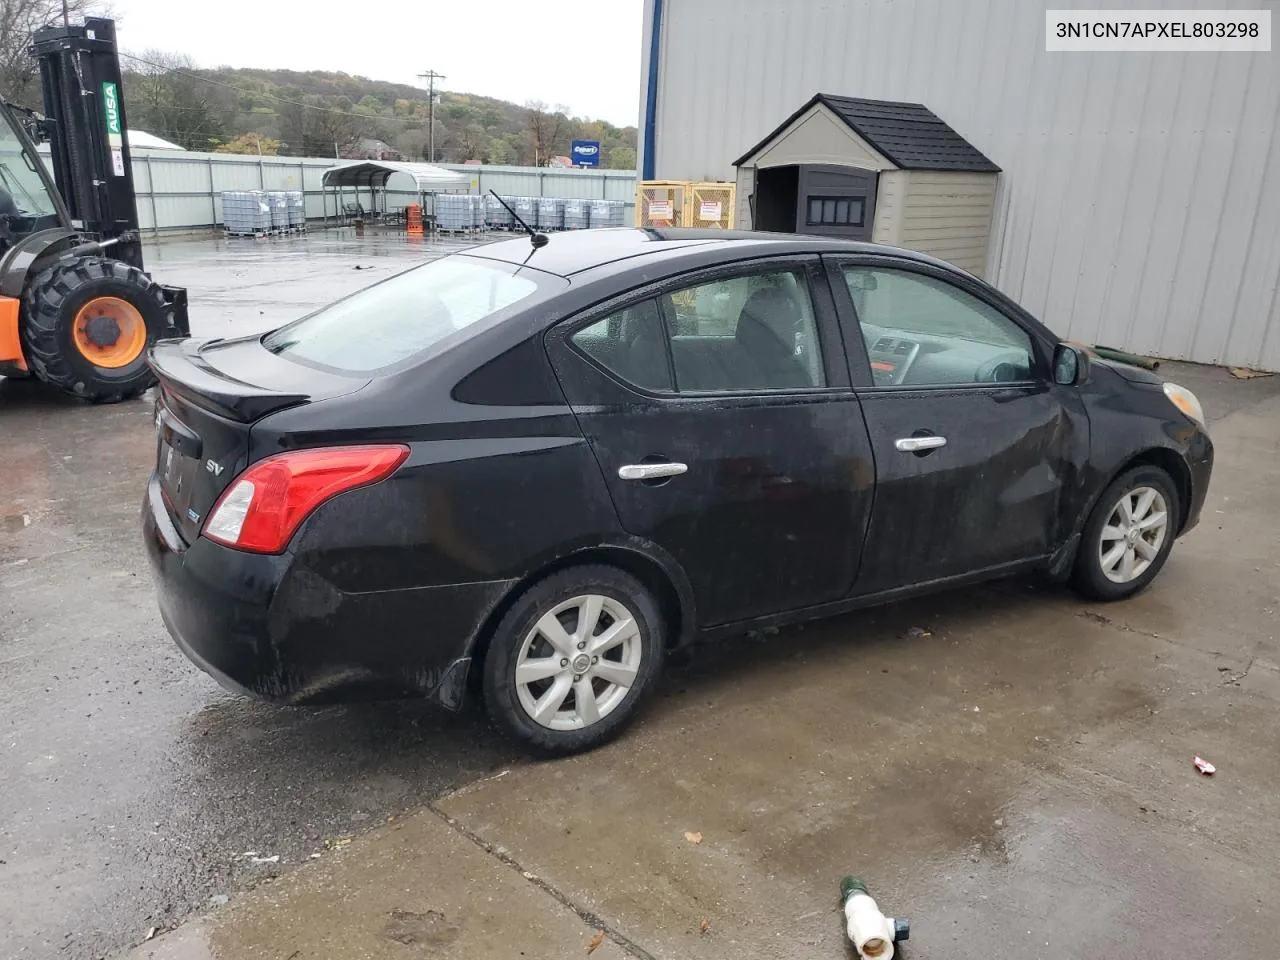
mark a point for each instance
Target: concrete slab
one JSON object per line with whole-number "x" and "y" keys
{"x": 130, "y": 783}
{"x": 1060, "y": 817}
{"x": 1220, "y": 591}
{"x": 1020, "y": 777}
{"x": 417, "y": 888}
{"x": 1219, "y": 390}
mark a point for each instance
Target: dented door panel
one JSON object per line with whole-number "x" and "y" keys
{"x": 994, "y": 494}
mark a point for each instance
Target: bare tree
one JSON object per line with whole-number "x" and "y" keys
{"x": 334, "y": 127}
{"x": 546, "y": 128}
{"x": 168, "y": 98}
{"x": 473, "y": 142}
{"x": 313, "y": 126}
{"x": 293, "y": 123}
{"x": 19, "y": 80}
{"x": 412, "y": 143}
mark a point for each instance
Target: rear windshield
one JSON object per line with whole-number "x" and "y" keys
{"x": 394, "y": 320}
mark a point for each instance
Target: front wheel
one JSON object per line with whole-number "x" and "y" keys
{"x": 88, "y": 324}
{"x": 1128, "y": 536}
{"x": 571, "y": 661}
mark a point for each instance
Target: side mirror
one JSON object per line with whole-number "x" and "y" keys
{"x": 1070, "y": 365}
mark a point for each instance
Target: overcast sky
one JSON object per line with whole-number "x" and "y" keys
{"x": 585, "y": 55}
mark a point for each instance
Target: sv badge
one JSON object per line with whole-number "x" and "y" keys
{"x": 213, "y": 467}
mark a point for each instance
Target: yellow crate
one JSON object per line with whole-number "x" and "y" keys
{"x": 685, "y": 203}
{"x": 661, "y": 203}
{"x": 711, "y": 205}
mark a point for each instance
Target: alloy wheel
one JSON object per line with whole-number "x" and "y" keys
{"x": 1133, "y": 534}
{"x": 579, "y": 662}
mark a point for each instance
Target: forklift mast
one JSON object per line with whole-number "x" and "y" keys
{"x": 86, "y": 129}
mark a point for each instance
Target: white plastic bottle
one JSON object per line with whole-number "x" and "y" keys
{"x": 873, "y": 934}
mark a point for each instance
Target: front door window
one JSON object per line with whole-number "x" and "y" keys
{"x": 921, "y": 331}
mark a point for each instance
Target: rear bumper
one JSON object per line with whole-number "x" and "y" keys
{"x": 266, "y": 626}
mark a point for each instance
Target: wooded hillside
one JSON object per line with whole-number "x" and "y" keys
{"x": 322, "y": 114}
{"x": 314, "y": 113}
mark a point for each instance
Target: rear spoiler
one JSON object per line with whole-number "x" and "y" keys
{"x": 182, "y": 371}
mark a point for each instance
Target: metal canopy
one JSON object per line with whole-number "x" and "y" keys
{"x": 375, "y": 174}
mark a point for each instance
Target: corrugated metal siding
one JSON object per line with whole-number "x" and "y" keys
{"x": 181, "y": 190}
{"x": 1140, "y": 203}
{"x": 550, "y": 182}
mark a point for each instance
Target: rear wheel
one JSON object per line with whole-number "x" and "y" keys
{"x": 573, "y": 658}
{"x": 88, "y": 325}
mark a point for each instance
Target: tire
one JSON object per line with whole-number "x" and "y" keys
{"x": 81, "y": 291}
{"x": 1090, "y": 577}
{"x": 519, "y": 638}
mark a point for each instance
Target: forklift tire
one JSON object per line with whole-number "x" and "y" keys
{"x": 89, "y": 323}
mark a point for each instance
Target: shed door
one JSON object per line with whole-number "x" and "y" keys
{"x": 836, "y": 201}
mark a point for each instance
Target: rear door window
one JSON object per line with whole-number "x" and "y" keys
{"x": 631, "y": 344}
{"x": 393, "y": 321}
{"x": 752, "y": 332}
{"x": 748, "y": 333}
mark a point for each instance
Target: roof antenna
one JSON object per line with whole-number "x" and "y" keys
{"x": 536, "y": 238}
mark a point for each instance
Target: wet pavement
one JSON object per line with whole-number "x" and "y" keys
{"x": 1015, "y": 775}
{"x": 131, "y": 784}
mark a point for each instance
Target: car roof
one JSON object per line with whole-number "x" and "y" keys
{"x": 576, "y": 251}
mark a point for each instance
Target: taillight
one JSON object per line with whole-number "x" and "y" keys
{"x": 263, "y": 508}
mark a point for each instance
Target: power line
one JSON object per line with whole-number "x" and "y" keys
{"x": 268, "y": 96}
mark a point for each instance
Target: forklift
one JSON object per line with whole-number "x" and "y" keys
{"x": 77, "y": 309}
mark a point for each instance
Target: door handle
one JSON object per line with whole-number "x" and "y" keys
{"x": 651, "y": 471}
{"x": 916, "y": 444}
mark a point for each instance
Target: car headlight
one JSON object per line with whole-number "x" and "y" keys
{"x": 1186, "y": 401}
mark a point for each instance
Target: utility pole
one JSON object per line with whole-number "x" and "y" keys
{"x": 431, "y": 77}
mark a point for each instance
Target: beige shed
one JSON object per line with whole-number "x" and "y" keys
{"x": 872, "y": 170}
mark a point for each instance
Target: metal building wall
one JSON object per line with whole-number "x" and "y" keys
{"x": 1140, "y": 201}
{"x": 181, "y": 190}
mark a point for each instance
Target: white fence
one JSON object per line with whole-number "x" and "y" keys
{"x": 180, "y": 190}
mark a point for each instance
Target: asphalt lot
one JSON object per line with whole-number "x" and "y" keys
{"x": 132, "y": 783}
{"x": 1024, "y": 768}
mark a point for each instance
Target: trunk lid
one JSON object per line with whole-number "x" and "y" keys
{"x": 211, "y": 394}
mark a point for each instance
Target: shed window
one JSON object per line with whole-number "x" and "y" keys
{"x": 836, "y": 211}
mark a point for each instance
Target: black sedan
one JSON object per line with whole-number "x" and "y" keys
{"x": 533, "y": 470}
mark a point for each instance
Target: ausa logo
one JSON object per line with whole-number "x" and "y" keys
{"x": 111, "y": 107}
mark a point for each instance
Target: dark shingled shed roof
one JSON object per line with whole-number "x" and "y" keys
{"x": 909, "y": 134}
